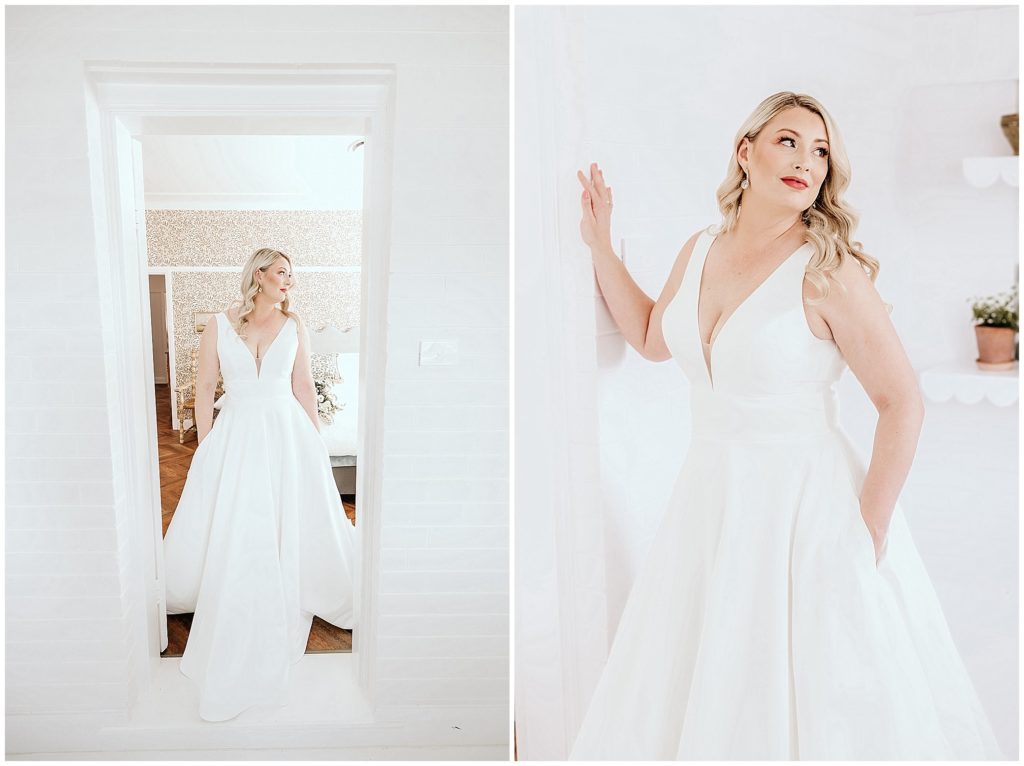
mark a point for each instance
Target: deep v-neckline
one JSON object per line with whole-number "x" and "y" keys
{"x": 723, "y": 320}
{"x": 256, "y": 364}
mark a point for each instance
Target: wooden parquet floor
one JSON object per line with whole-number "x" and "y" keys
{"x": 175, "y": 459}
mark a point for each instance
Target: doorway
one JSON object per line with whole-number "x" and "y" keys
{"x": 131, "y": 102}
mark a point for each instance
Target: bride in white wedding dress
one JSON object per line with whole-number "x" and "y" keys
{"x": 783, "y": 611}
{"x": 259, "y": 542}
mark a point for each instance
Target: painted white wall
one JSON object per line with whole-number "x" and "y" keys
{"x": 444, "y": 595}
{"x": 660, "y": 92}
{"x": 252, "y": 172}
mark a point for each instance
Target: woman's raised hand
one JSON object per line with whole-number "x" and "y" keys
{"x": 596, "y": 201}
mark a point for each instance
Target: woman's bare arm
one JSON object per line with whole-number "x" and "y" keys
{"x": 868, "y": 341}
{"x": 302, "y": 376}
{"x": 637, "y": 315}
{"x": 206, "y": 379}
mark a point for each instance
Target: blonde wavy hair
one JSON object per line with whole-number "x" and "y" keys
{"x": 830, "y": 220}
{"x": 261, "y": 260}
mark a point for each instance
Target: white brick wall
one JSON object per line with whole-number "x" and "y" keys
{"x": 444, "y": 600}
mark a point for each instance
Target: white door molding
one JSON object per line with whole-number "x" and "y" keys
{"x": 132, "y": 100}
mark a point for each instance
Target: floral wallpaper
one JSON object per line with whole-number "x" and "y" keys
{"x": 317, "y": 296}
{"x": 229, "y": 237}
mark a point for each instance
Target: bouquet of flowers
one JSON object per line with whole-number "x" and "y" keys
{"x": 326, "y": 404}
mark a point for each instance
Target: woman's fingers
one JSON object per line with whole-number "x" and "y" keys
{"x": 587, "y": 185}
{"x": 599, "y": 193}
{"x": 588, "y": 193}
{"x": 589, "y": 188}
{"x": 588, "y": 211}
{"x": 598, "y": 180}
{"x": 595, "y": 175}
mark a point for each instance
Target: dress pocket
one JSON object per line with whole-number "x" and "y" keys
{"x": 883, "y": 556}
{"x": 869, "y": 542}
{"x": 202, "y": 446}
{"x": 864, "y": 541}
{"x": 303, "y": 415}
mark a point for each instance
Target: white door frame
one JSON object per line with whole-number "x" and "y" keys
{"x": 135, "y": 99}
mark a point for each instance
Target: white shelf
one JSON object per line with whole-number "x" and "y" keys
{"x": 965, "y": 383}
{"x": 982, "y": 172}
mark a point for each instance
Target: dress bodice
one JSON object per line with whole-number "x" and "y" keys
{"x": 238, "y": 365}
{"x": 764, "y": 356}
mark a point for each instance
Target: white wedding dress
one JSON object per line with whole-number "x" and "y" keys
{"x": 259, "y": 542}
{"x": 759, "y": 626}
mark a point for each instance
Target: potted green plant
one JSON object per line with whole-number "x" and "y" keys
{"x": 995, "y": 327}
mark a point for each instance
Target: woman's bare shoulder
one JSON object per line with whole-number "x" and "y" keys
{"x": 675, "y": 277}
{"x": 688, "y": 248}
{"x": 684, "y": 256}
{"x": 209, "y": 329}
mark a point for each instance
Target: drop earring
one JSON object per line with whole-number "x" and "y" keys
{"x": 744, "y": 183}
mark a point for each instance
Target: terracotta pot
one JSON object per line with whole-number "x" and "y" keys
{"x": 995, "y": 344}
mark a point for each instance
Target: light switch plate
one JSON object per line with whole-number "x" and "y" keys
{"x": 439, "y": 352}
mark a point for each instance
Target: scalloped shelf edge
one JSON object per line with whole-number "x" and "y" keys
{"x": 982, "y": 172}
{"x": 970, "y": 388}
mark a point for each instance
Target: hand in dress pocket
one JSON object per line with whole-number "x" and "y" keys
{"x": 879, "y": 539}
